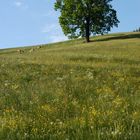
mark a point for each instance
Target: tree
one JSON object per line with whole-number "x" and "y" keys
{"x": 137, "y": 30}
{"x": 81, "y": 18}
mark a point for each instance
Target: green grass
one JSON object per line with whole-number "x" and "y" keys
{"x": 72, "y": 90}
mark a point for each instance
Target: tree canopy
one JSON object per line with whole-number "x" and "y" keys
{"x": 81, "y": 18}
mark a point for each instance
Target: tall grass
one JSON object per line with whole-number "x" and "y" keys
{"x": 72, "y": 90}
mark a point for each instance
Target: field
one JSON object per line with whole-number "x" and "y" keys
{"x": 72, "y": 90}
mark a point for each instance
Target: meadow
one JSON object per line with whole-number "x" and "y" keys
{"x": 72, "y": 90}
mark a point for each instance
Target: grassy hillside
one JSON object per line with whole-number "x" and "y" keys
{"x": 72, "y": 90}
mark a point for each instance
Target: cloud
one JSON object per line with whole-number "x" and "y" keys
{"x": 54, "y": 32}
{"x": 21, "y": 5}
{"x": 18, "y": 3}
{"x": 57, "y": 38}
{"x": 50, "y": 28}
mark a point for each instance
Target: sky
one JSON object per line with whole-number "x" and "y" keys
{"x": 32, "y": 22}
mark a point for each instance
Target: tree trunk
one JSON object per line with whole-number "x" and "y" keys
{"x": 87, "y": 30}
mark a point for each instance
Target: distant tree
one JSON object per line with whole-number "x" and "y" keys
{"x": 81, "y": 18}
{"x": 137, "y": 30}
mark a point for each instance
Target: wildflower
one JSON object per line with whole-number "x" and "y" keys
{"x": 34, "y": 130}
{"x": 136, "y": 116}
{"x": 91, "y": 127}
{"x": 130, "y": 133}
{"x": 60, "y": 123}
{"x": 6, "y": 84}
{"x": 71, "y": 71}
{"x": 118, "y": 101}
{"x": 47, "y": 107}
{"x": 12, "y": 123}
{"x": 82, "y": 120}
{"x": 121, "y": 79}
{"x": 102, "y": 133}
{"x": 15, "y": 86}
{"x": 8, "y": 110}
{"x": 75, "y": 102}
{"x": 59, "y": 78}
{"x": 90, "y": 75}
{"x": 93, "y": 111}
{"x": 114, "y": 133}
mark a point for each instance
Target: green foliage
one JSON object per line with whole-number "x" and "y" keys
{"x": 86, "y": 17}
{"x": 72, "y": 91}
{"x": 137, "y": 30}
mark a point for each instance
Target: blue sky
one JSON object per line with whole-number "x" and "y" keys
{"x": 31, "y": 22}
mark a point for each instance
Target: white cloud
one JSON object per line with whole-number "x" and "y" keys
{"x": 54, "y": 32}
{"x": 18, "y": 3}
{"x": 57, "y": 38}
{"x": 51, "y": 28}
{"x": 21, "y": 4}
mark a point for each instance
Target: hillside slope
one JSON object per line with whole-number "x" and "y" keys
{"x": 72, "y": 90}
